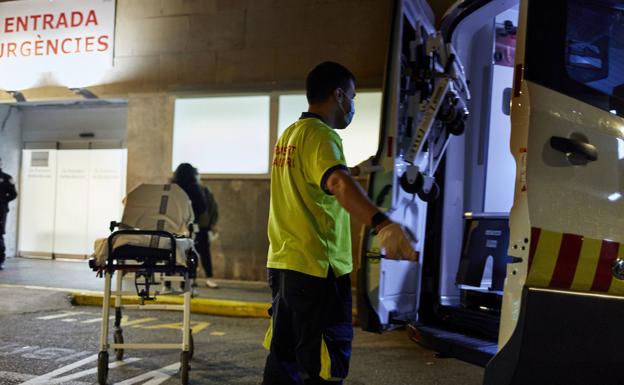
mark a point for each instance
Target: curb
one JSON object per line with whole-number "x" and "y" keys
{"x": 218, "y": 307}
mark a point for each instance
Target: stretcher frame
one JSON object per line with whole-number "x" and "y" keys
{"x": 116, "y": 262}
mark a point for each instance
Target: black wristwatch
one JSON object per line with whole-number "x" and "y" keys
{"x": 378, "y": 219}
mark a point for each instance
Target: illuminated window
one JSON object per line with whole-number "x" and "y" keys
{"x": 360, "y": 140}
{"x": 222, "y": 135}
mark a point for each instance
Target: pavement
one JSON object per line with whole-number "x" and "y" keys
{"x": 231, "y": 298}
{"x": 44, "y": 339}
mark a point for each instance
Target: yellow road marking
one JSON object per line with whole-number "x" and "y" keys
{"x": 94, "y": 320}
{"x": 195, "y": 326}
{"x": 125, "y": 321}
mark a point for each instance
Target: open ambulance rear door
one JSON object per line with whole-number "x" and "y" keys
{"x": 424, "y": 113}
{"x": 388, "y": 291}
{"x": 563, "y": 304}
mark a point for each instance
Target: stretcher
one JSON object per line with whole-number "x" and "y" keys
{"x": 154, "y": 238}
{"x": 433, "y": 108}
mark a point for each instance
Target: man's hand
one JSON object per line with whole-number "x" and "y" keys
{"x": 396, "y": 242}
{"x": 366, "y": 167}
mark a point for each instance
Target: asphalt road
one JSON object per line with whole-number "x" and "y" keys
{"x": 45, "y": 340}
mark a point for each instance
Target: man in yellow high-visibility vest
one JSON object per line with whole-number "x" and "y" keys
{"x": 312, "y": 197}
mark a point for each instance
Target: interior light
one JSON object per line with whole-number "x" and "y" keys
{"x": 615, "y": 196}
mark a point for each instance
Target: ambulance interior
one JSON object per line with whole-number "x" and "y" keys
{"x": 463, "y": 264}
{"x": 479, "y": 180}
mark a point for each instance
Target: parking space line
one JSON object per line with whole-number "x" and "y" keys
{"x": 9, "y": 346}
{"x": 63, "y": 289}
{"x": 20, "y": 350}
{"x": 72, "y": 356}
{"x": 52, "y": 377}
{"x": 48, "y": 353}
{"x": 62, "y": 315}
{"x": 126, "y": 321}
{"x": 155, "y": 377}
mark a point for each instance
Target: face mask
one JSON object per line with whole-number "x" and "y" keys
{"x": 348, "y": 116}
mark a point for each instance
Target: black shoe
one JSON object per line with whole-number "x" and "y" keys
{"x": 1, "y": 267}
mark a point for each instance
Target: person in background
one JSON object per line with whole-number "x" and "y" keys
{"x": 205, "y": 210}
{"x": 7, "y": 194}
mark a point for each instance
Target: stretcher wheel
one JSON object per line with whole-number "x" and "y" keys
{"x": 457, "y": 128}
{"x": 430, "y": 196}
{"x": 118, "y": 338}
{"x": 412, "y": 188}
{"x": 102, "y": 368}
{"x": 184, "y": 367}
{"x": 191, "y": 346}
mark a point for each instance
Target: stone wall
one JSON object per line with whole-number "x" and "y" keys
{"x": 179, "y": 45}
{"x": 241, "y": 249}
{"x": 204, "y": 46}
{"x": 150, "y": 139}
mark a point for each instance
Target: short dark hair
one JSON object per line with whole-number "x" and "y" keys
{"x": 324, "y": 79}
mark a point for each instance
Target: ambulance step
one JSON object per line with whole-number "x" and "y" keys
{"x": 484, "y": 323}
{"x": 476, "y": 351}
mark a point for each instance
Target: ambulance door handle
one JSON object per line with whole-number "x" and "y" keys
{"x": 575, "y": 150}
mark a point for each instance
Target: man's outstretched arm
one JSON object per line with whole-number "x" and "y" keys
{"x": 352, "y": 197}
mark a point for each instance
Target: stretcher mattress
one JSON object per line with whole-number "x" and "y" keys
{"x": 182, "y": 245}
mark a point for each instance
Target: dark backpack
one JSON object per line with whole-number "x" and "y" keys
{"x": 208, "y": 218}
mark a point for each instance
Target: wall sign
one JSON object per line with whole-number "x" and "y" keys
{"x": 55, "y": 42}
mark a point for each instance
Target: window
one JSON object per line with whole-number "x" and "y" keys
{"x": 360, "y": 140}
{"x": 290, "y": 108}
{"x": 229, "y": 135}
{"x": 580, "y": 51}
{"x": 223, "y": 135}
{"x": 595, "y": 47}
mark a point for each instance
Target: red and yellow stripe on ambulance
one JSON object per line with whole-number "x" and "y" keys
{"x": 573, "y": 262}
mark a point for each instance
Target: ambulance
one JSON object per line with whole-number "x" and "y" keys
{"x": 502, "y": 141}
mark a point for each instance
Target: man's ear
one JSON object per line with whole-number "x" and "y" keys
{"x": 338, "y": 95}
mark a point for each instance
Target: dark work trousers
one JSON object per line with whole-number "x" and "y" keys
{"x": 3, "y": 215}
{"x": 202, "y": 245}
{"x": 311, "y": 329}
